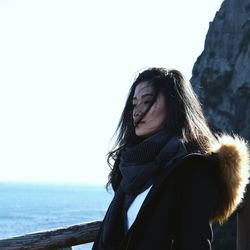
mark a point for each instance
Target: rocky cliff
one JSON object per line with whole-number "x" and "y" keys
{"x": 221, "y": 74}
{"x": 221, "y": 78}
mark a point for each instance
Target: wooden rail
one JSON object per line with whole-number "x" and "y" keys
{"x": 65, "y": 238}
{"x": 60, "y": 238}
{"x": 243, "y": 224}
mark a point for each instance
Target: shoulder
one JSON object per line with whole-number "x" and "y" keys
{"x": 227, "y": 163}
{"x": 196, "y": 164}
{"x": 196, "y": 170}
{"x": 191, "y": 172}
{"x": 190, "y": 167}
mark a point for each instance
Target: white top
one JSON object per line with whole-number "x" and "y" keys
{"x": 135, "y": 206}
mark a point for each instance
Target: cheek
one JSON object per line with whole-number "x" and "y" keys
{"x": 157, "y": 112}
{"x": 155, "y": 120}
{"x": 162, "y": 115}
{"x": 159, "y": 116}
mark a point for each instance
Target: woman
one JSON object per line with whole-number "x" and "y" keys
{"x": 172, "y": 177}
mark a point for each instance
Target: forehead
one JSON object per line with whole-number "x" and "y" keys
{"x": 143, "y": 88}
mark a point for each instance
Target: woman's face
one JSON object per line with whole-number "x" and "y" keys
{"x": 154, "y": 119}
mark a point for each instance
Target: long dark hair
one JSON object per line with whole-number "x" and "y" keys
{"x": 184, "y": 116}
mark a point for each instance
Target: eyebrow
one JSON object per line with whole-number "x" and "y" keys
{"x": 145, "y": 95}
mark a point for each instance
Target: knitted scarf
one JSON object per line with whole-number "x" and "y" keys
{"x": 139, "y": 165}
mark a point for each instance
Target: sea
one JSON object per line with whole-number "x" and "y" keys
{"x": 32, "y": 207}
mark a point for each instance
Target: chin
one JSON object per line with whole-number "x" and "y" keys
{"x": 143, "y": 134}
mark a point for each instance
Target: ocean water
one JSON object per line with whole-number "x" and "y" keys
{"x": 27, "y": 208}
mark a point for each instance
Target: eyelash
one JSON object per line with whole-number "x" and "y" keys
{"x": 145, "y": 102}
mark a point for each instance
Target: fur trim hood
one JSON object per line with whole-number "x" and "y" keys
{"x": 234, "y": 173}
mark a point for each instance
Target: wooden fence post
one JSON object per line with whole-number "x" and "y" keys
{"x": 243, "y": 223}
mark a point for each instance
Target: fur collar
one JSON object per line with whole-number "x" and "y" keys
{"x": 233, "y": 154}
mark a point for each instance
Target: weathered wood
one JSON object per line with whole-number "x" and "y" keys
{"x": 243, "y": 224}
{"x": 54, "y": 239}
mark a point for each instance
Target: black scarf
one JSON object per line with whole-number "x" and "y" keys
{"x": 139, "y": 165}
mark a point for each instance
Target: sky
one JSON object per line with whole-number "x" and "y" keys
{"x": 65, "y": 70}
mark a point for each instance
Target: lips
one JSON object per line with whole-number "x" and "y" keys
{"x": 137, "y": 123}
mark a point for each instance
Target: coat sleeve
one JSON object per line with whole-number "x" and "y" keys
{"x": 198, "y": 202}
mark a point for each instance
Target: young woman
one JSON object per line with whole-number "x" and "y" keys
{"x": 172, "y": 177}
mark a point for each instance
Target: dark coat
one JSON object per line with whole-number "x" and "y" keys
{"x": 181, "y": 205}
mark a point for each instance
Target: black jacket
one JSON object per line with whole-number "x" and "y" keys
{"x": 181, "y": 205}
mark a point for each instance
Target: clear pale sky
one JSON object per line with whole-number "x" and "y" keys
{"x": 65, "y": 70}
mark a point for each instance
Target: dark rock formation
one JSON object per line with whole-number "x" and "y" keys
{"x": 221, "y": 74}
{"x": 221, "y": 78}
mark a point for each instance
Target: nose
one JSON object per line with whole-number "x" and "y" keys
{"x": 136, "y": 113}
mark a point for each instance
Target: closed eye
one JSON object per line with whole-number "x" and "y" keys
{"x": 148, "y": 102}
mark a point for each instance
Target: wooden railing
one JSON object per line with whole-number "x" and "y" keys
{"x": 65, "y": 238}
{"x": 60, "y": 238}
